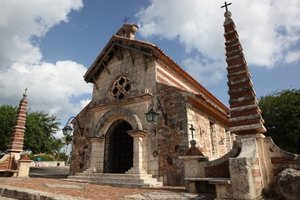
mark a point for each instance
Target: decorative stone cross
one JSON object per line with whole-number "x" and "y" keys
{"x": 226, "y": 6}
{"x": 192, "y": 130}
{"x": 125, "y": 20}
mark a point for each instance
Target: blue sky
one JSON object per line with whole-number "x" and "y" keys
{"x": 48, "y": 45}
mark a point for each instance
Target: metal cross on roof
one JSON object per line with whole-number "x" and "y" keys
{"x": 125, "y": 20}
{"x": 226, "y": 6}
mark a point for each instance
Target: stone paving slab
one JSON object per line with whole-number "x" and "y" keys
{"x": 167, "y": 196}
{"x": 76, "y": 187}
{"x": 20, "y": 193}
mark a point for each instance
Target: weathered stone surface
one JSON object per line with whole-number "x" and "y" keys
{"x": 19, "y": 193}
{"x": 288, "y": 184}
{"x": 194, "y": 151}
{"x": 167, "y": 196}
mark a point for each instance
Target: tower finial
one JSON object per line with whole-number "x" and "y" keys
{"x": 226, "y": 6}
{"x": 125, "y": 20}
{"x": 25, "y": 92}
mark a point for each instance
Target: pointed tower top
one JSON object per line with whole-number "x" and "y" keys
{"x": 227, "y": 13}
{"x": 245, "y": 115}
{"x": 226, "y": 6}
{"x": 25, "y": 93}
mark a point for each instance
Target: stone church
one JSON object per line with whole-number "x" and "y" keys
{"x": 113, "y": 138}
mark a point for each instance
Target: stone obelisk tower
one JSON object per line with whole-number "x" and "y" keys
{"x": 17, "y": 136}
{"x": 246, "y": 121}
{"x": 11, "y": 164}
{"x": 245, "y": 115}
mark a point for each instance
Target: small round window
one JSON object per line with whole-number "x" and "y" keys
{"x": 120, "y": 88}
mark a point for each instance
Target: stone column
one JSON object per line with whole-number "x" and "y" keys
{"x": 138, "y": 162}
{"x": 96, "y": 157}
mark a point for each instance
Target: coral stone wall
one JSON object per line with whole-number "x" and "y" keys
{"x": 211, "y": 136}
{"x": 171, "y": 139}
{"x": 139, "y": 70}
{"x": 80, "y": 155}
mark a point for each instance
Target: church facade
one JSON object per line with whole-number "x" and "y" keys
{"x": 130, "y": 78}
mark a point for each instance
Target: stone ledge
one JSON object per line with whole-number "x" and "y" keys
{"x": 241, "y": 108}
{"x": 241, "y": 55}
{"x": 259, "y": 127}
{"x": 236, "y": 66}
{"x": 247, "y": 117}
{"x": 212, "y": 180}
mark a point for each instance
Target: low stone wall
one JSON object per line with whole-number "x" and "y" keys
{"x": 47, "y": 163}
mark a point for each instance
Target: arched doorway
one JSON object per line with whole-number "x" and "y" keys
{"x": 118, "y": 154}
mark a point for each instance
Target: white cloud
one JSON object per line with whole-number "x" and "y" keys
{"x": 292, "y": 56}
{"x": 209, "y": 73}
{"x": 84, "y": 102}
{"x": 268, "y": 30}
{"x": 51, "y": 86}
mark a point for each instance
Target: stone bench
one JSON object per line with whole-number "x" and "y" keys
{"x": 222, "y": 185}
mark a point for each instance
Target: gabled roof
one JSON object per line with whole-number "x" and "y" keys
{"x": 148, "y": 49}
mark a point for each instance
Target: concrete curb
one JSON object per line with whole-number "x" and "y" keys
{"x": 20, "y": 193}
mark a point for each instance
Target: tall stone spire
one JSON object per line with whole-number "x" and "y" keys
{"x": 17, "y": 136}
{"x": 245, "y": 115}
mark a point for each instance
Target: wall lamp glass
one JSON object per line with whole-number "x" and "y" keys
{"x": 152, "y": 115}
{"x": 67, "y": 129}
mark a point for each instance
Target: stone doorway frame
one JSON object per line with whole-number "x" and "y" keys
{"x": 102, "y": 126}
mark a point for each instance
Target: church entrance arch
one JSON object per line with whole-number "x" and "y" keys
{"x": 118, "y": 153}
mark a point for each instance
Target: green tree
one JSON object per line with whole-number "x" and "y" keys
{"x": 281, "y": 112}
{"x": 7, "y": 118}
{"x": 39, "y": 133}
{"x": 40, "y": 130}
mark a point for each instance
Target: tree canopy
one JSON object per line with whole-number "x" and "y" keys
{"x": 7, "y": 118}
{"x": 281, "y": 112}
{"x": 39, "y": 133}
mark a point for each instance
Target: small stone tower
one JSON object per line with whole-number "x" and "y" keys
{"x": 17, "y": 136}
{"x": 12, "y": 164}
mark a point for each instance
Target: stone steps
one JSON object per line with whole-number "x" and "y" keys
{"x": 126, "y": 180}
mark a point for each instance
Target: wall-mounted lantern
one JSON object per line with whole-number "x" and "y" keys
{"x": 152, "y": 115}
{"x": 67, "y": 129}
